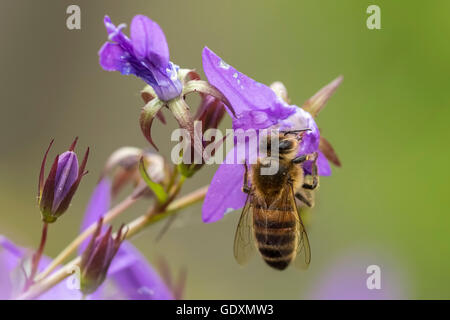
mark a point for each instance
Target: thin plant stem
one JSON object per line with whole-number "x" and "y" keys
{"x": 173, "y": 177}
{"x": 37, "y": 256}
{"x": 154, "y": 215}
{"x": 137, "y": 225}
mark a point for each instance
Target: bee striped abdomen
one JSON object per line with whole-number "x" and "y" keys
{"x": 276, "y": 236}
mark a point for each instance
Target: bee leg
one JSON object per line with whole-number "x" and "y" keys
{"x": 245, "y": 187}
{"x": 315, "y": 176}
{"x": 300, "y": 197}
{"x": 300, "y": 159}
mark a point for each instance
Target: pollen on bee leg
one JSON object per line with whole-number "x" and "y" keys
{"x": 312, "y": 156}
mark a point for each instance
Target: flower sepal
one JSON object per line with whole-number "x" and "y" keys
{"x": 205, "y": 88}
{"x": 157, "y": 188}
{"x": 316, "y": 103}
{"x": 148, "y": 113}
{"x": 187, "y": 170}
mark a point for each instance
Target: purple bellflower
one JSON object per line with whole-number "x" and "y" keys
{"x": 257, "y": 106}
{"x": 145, "y": 55}
{"x": 56, "y": 192}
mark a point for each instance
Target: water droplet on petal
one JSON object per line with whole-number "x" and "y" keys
{"x": 224, "y": 65}
{"x": 235, "y": 75}
{"x": 259, "y": 117}
{"x": 172, "y": 71}
{"x": 146, "y": 291}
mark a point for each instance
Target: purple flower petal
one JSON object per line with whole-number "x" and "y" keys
{"x": 146, "y": 56}
{"x": 134, "y": 276}
{"x": 97, "y": 207}
{"x": 115, "y": 33}
{"x": 66, "y": 176}
{"x": 323, "y": 166}
{"x": 149, "y": 40}
{"x": 224, "y": 193}
{"x": 10, "y": 255}
{"x": 111, "y": 57}
{"x": 10, "y": 259}
{"x": 255, "y": 104}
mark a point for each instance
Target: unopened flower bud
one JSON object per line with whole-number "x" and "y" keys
{"x": 210, "y": 113}
{"x": 97, "y": 257}
{"x": 123, "y": 168}
{"x": 56, "y": 192}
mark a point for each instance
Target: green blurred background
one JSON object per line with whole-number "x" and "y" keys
{"x": 388, "y": 122}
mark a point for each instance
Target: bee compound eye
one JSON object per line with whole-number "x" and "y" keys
{"x": 285, "y": 145}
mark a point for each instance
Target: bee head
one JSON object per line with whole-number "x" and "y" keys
{"x": 287, "y": 145}
{"x": 288, "y": 142}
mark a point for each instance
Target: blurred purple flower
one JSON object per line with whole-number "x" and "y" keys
{"x": 346, "y": 279}
{"x": 145, "y": 55}
{"x": 13, "y": 274}
{"x": 256, "y": 106}
{"x": 129, "y": 276}
{"x": 55, "y": 194}
{"x": 129, "y": 272}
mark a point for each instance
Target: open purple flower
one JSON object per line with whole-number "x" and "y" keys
{"x": 257, "y": 106}
{"x": 145, "y": 55}
{"x": 55, "y": 194}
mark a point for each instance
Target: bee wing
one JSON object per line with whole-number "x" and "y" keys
{"x": 244, "y": 245}
{"x": 303, "y": 255}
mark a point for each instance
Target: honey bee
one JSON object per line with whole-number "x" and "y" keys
{"x": 270, "y": 219}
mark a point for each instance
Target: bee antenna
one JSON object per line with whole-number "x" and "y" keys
{"x": 294, "y": 131}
